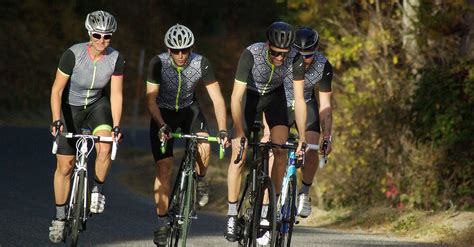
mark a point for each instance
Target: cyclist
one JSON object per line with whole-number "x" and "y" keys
{"x": 78, "y": 101}
{"x": 172, "y": 78}
{"x": 261, "y": 70}
{"x": 318, "y": 72}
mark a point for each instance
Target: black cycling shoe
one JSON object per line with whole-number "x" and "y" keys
{"x": 232, "y": 229}
{"x": 161, "y": 236}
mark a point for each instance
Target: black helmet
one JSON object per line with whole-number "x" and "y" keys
{"x": 281, "y": 35}
{"x": 306, "y": 38}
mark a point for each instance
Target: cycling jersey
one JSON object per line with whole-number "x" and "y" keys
{"x": 319, "y": 71}
{"x": 260, "y": 75}
{"x": 88, "y": 77}
{"x": 177, "y": 84}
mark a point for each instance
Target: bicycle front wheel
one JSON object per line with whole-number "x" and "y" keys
{"x": 77, "y": 207}
{"x": 264, "y": 222}
{"x": 245, "y": 213}
{"x": 189, "y": 198}
{"x": 287, "y": 210}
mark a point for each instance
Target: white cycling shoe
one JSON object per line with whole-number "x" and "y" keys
{"x": 97, "y": 202}
{"x": 265, "y": 238}
{"x": 56, "y": 231}
{"x": 304, "y": 205}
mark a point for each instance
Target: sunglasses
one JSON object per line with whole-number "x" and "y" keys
{"x": 99, "y": 36}
{"x": 183, "y": 51}
{"x": 274, "y": 53}
{"x": 307, "y": 54}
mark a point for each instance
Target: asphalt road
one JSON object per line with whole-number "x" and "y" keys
{"x": 27, "y": 205}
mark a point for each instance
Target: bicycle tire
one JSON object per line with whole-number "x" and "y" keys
{"x": 174, "y": 208}
{"x": 244, "y": 215}
{"x": 77, "y": 209}
{"x": 258, "y": 230}
{"x": 288, "y": 214}
{"x": 188, "y": 200}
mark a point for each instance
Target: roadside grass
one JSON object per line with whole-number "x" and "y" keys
{"x": 451, "y": 227}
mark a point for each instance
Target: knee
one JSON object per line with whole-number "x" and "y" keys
{"x": 65, "y": 168}
{"x": 103, "y": 153}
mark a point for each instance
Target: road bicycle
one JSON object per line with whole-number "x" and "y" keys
{"x": 286, "y": 206}
{"x": 183, "y": 196}
{"x": 257, "y": 184}
{"x": 78, "y": 209}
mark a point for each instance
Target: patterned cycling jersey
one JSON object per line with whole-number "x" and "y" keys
{"x": 319, "y": 71}
{"x": 177, "y": 84}
{"x": 88, "y": 77}
{"x": 259, "y": 74}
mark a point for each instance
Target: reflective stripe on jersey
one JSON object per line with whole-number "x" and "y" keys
{"x": 312, "y": 76}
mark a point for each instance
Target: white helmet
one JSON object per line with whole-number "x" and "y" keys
{"x": 101, "y": 21}
{"x": 179, "y": 37}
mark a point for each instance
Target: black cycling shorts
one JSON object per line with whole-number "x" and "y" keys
{"x": 189, "y": 119}
{"x": 95, "y": 117}
{"x": 272, "y": 104}
{"x": 312, "y": 116}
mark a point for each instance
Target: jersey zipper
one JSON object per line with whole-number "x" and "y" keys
{"x": 92, "y": 84}
{"x": 178, "y": 69}
{"x": 271, "y": 73}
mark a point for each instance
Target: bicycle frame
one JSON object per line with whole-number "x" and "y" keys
{"x": 183, "y": 196}
{"x": 79, "y": 192}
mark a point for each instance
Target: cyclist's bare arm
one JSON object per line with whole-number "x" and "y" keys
{"x": 56, "y": 94}
{"x": 236, "y": 107}
{"x": 325, "y": 114}
{"x": 116, "y": 98}
{"x": 151, "y": 94}
{"x": 214, "y": 91}
{"x": 300, "y": 108}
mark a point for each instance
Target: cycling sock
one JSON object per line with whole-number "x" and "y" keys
{"x": 264, "y": 211}
{"x": 97, "y": 186}
{"x": 232, "y": 211}
{"x": 163, "y": 220}
{"x": 305, "y": 188}
{"x": 61, "y": 212}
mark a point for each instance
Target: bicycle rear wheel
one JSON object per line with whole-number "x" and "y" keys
{"x": 287, "y": 211}
{"x": 245, "y": 212}
{"x": 260, "y": 230}
{"x": 77, "y": 210}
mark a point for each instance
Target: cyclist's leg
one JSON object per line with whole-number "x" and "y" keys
{"x": 164, "y": 163}
{"x": 62, "y": 176}
{"x": 197, "y": 124}
{"x": 312, "y": 137}
{"x": 278, "y": 123}
{"x": 311, "y": 163}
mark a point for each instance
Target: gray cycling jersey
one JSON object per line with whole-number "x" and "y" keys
{"x": 177, "y": 84}
{"x": 319, "y": 70}
{"x": 87, "y": 77}
{"x": 263, "y": 76}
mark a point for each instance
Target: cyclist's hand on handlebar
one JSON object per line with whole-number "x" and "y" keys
{"x": 223, "y": 138}
{"x": 56, "y": 127}
{"x": 301, "y": 149}
{"x": 117, "y": 133}
{"x": 326, "y": 145}
{"x": 164, "y": 133}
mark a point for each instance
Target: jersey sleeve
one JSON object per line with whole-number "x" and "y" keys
{"x": 67, "y": 62}
{"x": 207, "y": 72}
{"x": 245, "y": 66}
{"x": 298, "y": 68}
{"x": 325, "y": 84}
{"x": 119, "y": 66}
{"x": 154, "y": 71}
